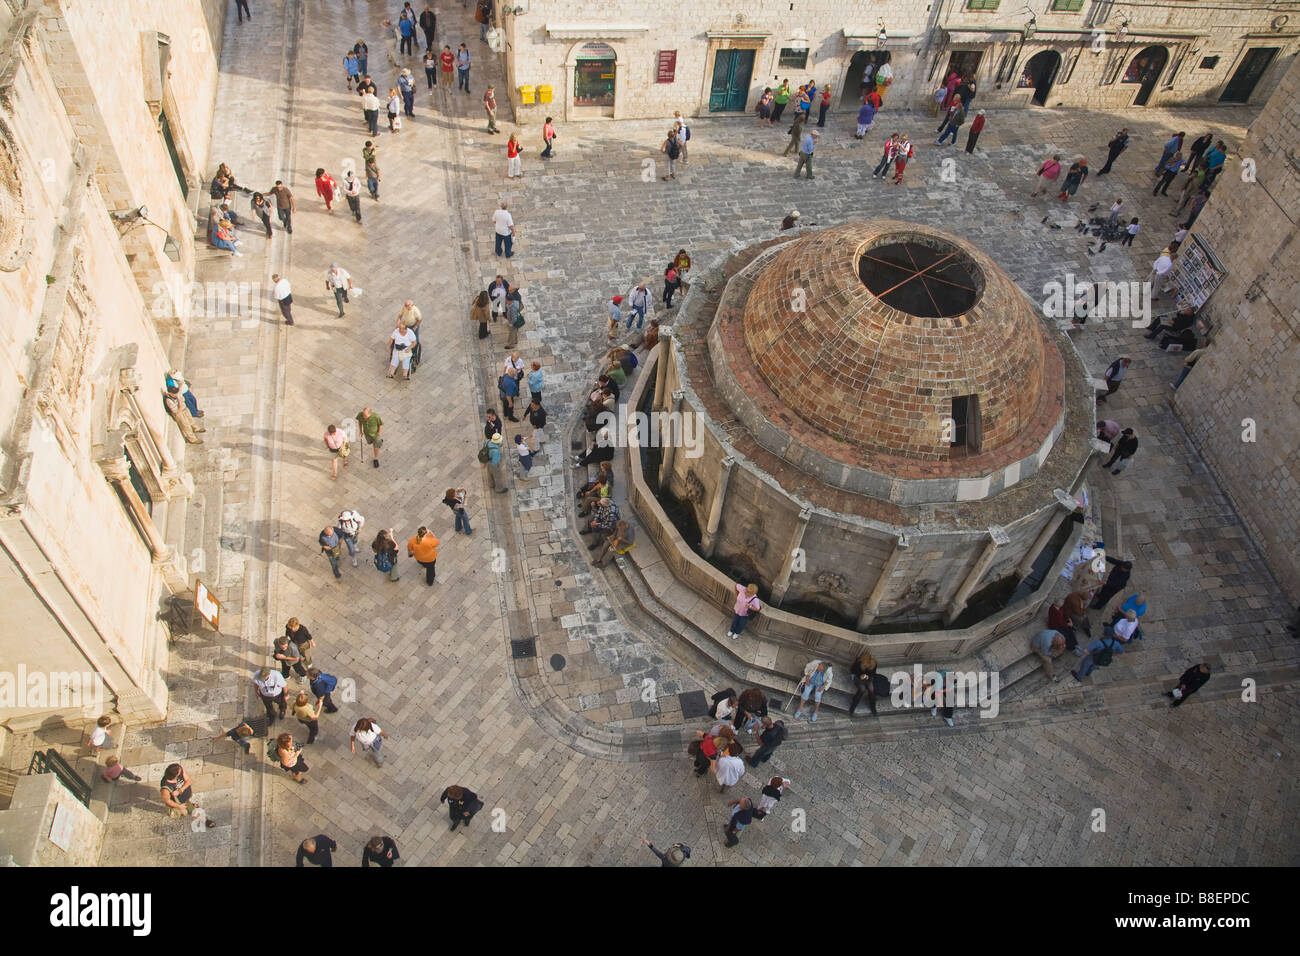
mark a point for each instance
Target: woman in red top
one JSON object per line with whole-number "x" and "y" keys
{"x": 548, "y": 136}
{"x": 513, "y": 163}
{"x": 325, "y": 187}
{"x": 448, "y": 61}
{"x": 826, "y": 105}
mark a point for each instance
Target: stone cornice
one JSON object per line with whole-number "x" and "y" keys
{"x": 595, "y": 31}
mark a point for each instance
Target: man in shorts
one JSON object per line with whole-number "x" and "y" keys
{"x": 371, "y": 426}
{"x": 816, "y": 680}
{"x": 402, "y": 343}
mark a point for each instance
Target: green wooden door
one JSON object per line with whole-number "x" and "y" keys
{"x": 732, "y": 70}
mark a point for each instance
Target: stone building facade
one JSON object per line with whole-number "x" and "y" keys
{"x": 105, "y": 118}
{"x": 1241, "y": 402}
{"x": 866, "y": 458}
{"x": 628, "y": 59}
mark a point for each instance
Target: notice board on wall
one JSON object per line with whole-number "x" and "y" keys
{"x": 666, "y": 66}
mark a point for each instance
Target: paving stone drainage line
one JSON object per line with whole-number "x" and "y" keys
{"x": 260, "y": 584}
{"x": 545, "y": 706}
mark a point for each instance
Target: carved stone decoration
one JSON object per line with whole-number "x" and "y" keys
{"x": 829, "y": 581}
{"x": 920, "y": 594}
{"x": 694, "y": 487}
{"x": 16, "y": 239}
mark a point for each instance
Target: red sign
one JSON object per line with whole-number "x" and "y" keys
{"x": 667, "y": 66}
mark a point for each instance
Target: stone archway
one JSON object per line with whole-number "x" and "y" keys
{"x": 1145, "y": 69}
{"x": 1039, "y": 75}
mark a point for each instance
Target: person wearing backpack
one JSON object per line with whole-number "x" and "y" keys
{"x": 772, "y": 736}
{"x": 349, "y": 526}
{"x": 672, "y": 149}
{"x": 683, "y": 134}
{"x": 514, "y": 319}
{"x": 1100, "y": 652}
{"x": 490, "y": 457}
{"x": 385, "y": 548}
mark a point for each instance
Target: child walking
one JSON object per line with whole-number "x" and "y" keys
{"x": 1130, "y": 233}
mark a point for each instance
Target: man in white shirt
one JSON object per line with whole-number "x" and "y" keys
{"x": 1161, "y": 268}
{"x": 338, "y": 281}
{"x": 638, "y": 301}
{"x": 270, "y": 688}
{"x": 683, "y": 134}
{"x": 370, "y": 109}
{"x": 349, "y": 525}
{"x": 283, "y": 297}
{"x": 403, "y": 340}
{"x": 504, "y": 225}
{"x": 352, "y": 192}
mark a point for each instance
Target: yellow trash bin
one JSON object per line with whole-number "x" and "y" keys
{"x": 544, "y": 93}
{"x": 527, "y": 94}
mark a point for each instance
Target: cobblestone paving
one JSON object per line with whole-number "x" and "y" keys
{"x": 1211, "y": 783}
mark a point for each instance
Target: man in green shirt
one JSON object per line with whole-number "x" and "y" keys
{"x": 371, "y": 425}
{"x": 780, "y": 98}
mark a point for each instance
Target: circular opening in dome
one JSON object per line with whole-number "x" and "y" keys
{"x": 927, "y": 279}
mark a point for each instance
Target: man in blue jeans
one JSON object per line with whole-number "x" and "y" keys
{"x": 462, "y": 68}
{"x": 955, "y": 119}
{"x": 504, "y": 227}
{"x": 773, "y": 736}
{"x": 638, "y": 301}
{"x": 1115, "y": 638}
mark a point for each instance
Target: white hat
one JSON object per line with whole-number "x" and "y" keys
{"x": 794, "y": 214}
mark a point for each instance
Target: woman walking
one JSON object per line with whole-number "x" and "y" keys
{"x": 394, "y": 107}
{"x": 262, "y": 210}
{"x": 424, "y": 548}
{"x": 370, "y": 736}
{"x": 431, "y": 68}
{"x": 385, "y": 548}
{"x": 307, "y": 715}
{"x": 672, "y": 282}
{"x": 455, "y": 500}
{"x": 514, "y": 165}
{"x": 1073, "y": 179}
{"x": 290, "y": 756}
{"x": 548, "y": 137}
{"x": 325, "y": 188}
{"x": 866, "y": 117}
{"x": 479, "y": 312}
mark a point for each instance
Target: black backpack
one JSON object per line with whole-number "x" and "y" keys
{"x": 1103, "y": 657}
{"x": 673, "y": 149}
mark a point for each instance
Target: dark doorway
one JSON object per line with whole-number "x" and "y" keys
{"x": 965, "y": 62}
{"x": 862, "y": 75}
{"x": 1039, "y": 75}
{"x": 1248, "y": 73}
{"x": 1145, "y": 69}
{"x": 731, "y": 72}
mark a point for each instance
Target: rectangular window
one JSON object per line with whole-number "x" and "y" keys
{"x": 172, "y": 152}
{"x": 1067, "y": 6}
{"x": 982, "y": 4}
{"x": 792, "y": 59}
{"x": 1209, "y": 63}
{"x": 966, "y": 429}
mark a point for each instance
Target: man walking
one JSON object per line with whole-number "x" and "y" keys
{"x": 372, "y": 427}
{"x": 331, "y": 545}
{"x": 338, "y": 281}
{"x": 447, "y": 59}
{"x": 370, "y": 110}
{"x": 503, "y": 225}
{"x": 352, "y": 193}
{"x": 270, "y": 690}
{"x": 1175, "y": 145}
{"x": 429, "y": 24}
{"x": 462, "y": 804}
{"x": 285, "y": 207}
{"x": 462, "y": 68}
{"x": 490, "y": 105}
{"x": 349, "y": 527}
{"x": 406, "y": 86}
{"x": 316, "y": 850}
{"x": 1116, "y": 146}
{"x": 771, "y": 737}
{"x": 423, "y": 546}
{"x": 283, "y": 293}
{"x": 322, "y": 685}
{"x": 806, "y": 154}
{"x": 372, "y": 172}
{"x": 1114, "y": 376}
{"x": 407, "y": 30}
{"x": 1125, "y": 448}
{"x": 638, "y": 301}
{"x": 490, "y": 456}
